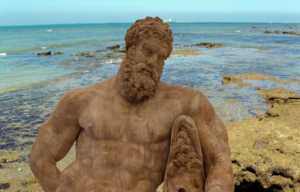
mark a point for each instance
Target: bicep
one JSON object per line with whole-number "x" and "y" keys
{"x": 212, "y": 133}
{"x": 58, "y": 133}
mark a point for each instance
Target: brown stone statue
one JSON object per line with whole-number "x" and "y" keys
{"x": 133, "y": 131}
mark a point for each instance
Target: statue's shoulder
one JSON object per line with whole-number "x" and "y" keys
{"x": 82, "y": 96}
{"x": 178, "y": 90}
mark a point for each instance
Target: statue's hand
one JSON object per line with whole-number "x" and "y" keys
{"x": 216, "y": 188}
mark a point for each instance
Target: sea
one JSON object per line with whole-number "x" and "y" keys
{"x": 31, "y": 85}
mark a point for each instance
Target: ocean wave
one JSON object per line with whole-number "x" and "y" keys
{"x": 177, "y": 45}
{"x": 113, "y": 61}
{"x": 2, "y": 54}
{"x": 238, "y": 31}
{"x": 43, "y": 47}
{"x": 49, "y": 30}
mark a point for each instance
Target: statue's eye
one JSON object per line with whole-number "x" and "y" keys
{"x": 148, "y": 51}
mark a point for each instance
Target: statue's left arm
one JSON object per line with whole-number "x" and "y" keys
{"x": 215, "y": 148}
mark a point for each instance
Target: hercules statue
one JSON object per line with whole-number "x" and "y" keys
{"x": 133, "y": 131}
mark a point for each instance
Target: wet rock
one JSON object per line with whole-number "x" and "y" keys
{"x": 277, "y": 31}
{"x": 114, "y": 47}
{"x": 110, "y": 56}
{"x": 217, "y": 45}
{"x": 186, "y": 52}
{"x": 80, "y": 54}
{"x": 97, "y": 51}
{"x": 9, "y": 157}
{"x": 268, "y": 32}
{"x": 44, "y": 53}
{"x": 291, "y": 33}
{"x": 120, "y": 50}
{"x": 258, "y": 88}
{"x": 58, "y": 53}
{"x": 208, "y": 45}
{"x": 87, "y": 55}
{"x": 255, "y": 76}
{"x": 279, "y": 95}
{"x": 202, "y": 44}
{"x": 232, "y": 79}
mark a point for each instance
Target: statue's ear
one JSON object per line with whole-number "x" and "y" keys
{"x": 184, "y": 127}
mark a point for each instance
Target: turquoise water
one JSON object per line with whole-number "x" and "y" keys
{"x": 31, "y": 85}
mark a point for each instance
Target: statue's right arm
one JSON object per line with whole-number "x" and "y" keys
{"x": 54, "y": 140}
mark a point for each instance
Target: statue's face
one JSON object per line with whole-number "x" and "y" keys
{"x": 150, "y": 57}
{"x": 143, "y": 67}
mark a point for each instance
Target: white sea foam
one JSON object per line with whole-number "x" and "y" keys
{"x": 113, "y": 61}
{"x": 49, "y": 30}
{"x": 237, "y": 31}
{"x": 43, "y": 47}
{"x": 2, "y": 54}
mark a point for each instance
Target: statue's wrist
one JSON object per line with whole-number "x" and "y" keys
{"x": 216, "y": 188}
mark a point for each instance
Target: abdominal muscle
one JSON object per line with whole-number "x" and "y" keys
{"x": 115, "y": 166}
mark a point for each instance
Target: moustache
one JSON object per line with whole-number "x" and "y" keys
{"x": 142, "y": 66}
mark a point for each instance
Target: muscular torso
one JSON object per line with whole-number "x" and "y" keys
{"x": 124, "y": 146}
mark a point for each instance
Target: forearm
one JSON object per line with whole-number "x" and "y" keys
{"x": 220, "y": 179}
{"x": 47, "y": 174}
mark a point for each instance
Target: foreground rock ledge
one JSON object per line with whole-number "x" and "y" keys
{"x": 266, "y": 151}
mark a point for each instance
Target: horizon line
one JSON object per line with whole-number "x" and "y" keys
{"x": 257, "y": 22}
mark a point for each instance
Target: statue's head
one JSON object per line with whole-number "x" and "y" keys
{"x": 148, "y": 45}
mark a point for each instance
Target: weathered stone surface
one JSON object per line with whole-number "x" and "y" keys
{"x": 58, "y": 53}
{"x": 217, "y": 45}
{"x": 277, "y": 31}
{"x": 279, "y": 95}
{"x": 202, "y": 44}
{"x": 237, "y": 79}
{"x": 120, "y": 50}
{"x": 232, "y": 79}
{"x": 80, "y": 54}
{"x": 44, "y": 53}
{"x": 208, "y": 45}
{"x": 9, "y": 157}
{"x": 114, "y": 47}
{"x": 110, "y": 56}
{"x": 186, "y": 52}
{"x": 266, "y": 152}
{"x": 291, "y": 33}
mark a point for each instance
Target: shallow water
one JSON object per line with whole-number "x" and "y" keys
{"x": 31, "y": 85}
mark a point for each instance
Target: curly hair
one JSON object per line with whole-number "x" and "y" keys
{"x": 149, "y": 27}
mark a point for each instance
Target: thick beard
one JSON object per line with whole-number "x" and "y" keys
{"x": 137, "y": 86}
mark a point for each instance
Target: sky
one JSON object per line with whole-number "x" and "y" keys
{"x": 33, "y": 12}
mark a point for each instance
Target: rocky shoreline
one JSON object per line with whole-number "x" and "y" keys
{"x": 265, "y": 150}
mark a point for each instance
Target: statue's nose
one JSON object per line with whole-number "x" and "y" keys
{"x": 181, "y": 190}
{"x": 152, "y": 61}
